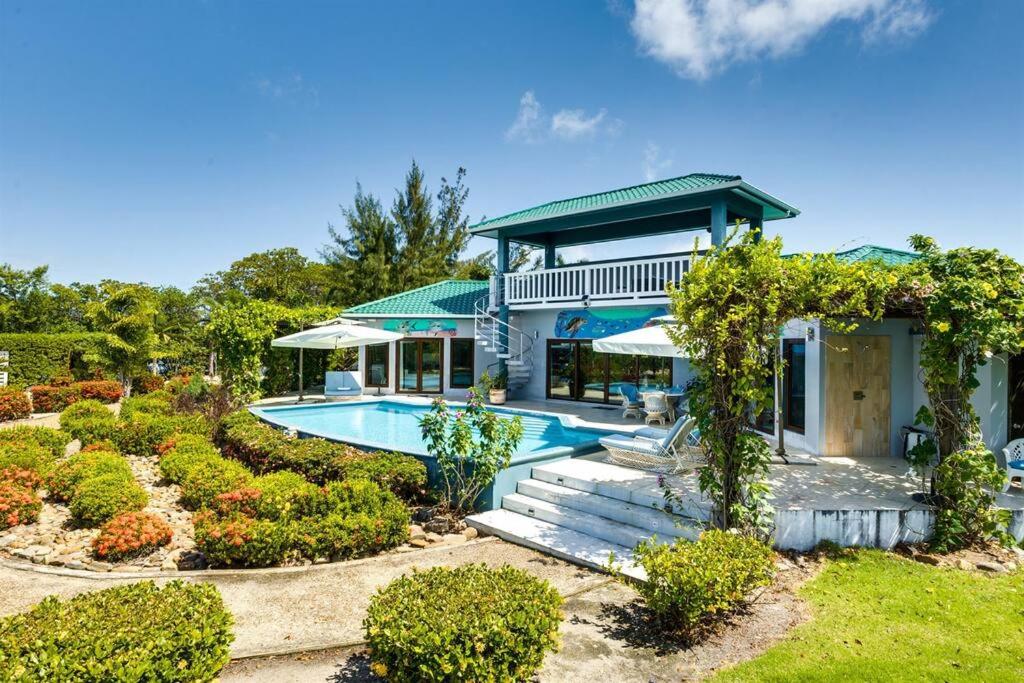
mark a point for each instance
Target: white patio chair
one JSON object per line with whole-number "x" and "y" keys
{"x": 1014, "y": 454}
{"x": 672, "y": 454}
{"x": 656, "y": 407}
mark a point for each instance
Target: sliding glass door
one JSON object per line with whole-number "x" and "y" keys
{"x": 578, "y": 373}
{"x": 420, "y": 364}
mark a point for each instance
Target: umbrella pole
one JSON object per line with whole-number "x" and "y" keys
{"x": 300, "y": 374}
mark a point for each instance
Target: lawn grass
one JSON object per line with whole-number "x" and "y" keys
{"x": 880, "y": 617}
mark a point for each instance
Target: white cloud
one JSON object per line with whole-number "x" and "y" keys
{"x": 654, "y": 166}
{"x": 528, "y": 126}
{"x": 574, "y": 123}
{"x": 292, "y": 86}
{"x": 700, "y": 38}
{"x": 532, "y": 125}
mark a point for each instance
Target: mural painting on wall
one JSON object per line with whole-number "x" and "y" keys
{"x": 422, "y": 327}
{"x": 588, "y": 323}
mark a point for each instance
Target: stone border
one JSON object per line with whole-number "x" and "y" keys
{"x": 19, "y": 565}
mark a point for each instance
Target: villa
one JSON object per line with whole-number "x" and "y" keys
{"x": 853, "y": 396}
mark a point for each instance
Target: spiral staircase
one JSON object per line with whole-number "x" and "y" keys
{"x": 507, "y": 342}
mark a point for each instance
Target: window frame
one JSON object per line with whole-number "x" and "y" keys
{"x": 472, "y": 363}
{"x": 787, "y": 384}
{"x": 387, "y": 366}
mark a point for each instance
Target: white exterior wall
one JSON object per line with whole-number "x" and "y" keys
{"x": 464, "y": 331}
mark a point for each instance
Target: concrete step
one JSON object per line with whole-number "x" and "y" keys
{"x": 598, "y": 508}
{"x": 638, "y": 487}
{"x": 561, "y": 542}
{"x": 605, "y": 529}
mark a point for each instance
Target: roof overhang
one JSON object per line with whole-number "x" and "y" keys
{"x": 680, "y": 211}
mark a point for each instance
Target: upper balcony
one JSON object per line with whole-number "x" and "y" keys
{"x": 699, "y": 201}
{"x": 600, "y": 283}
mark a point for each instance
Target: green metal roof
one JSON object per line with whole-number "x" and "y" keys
{"x": 447, "y": 298}
{"x": 692, "y": 184}
{"x": 871, "y": 252}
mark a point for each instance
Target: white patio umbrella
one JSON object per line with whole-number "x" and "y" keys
{"x": 338, "y": 333}
{"x": 647, "y": 341}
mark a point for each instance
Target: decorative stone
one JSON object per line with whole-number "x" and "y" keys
{"x": 416, "y": 531}
{"x": 418, "y": 543}
{"x": 98, "y": 566}
{"x": 454, "y": 539}
{"x": 990, "y": 567}
{"x": 470, "y": 533}
{"x": 434, "y": 538}
{"x": 964, "y": 565}
{"x": 927, "y": 558}
{"x": 1010, "y": 566}
{"x": 75, "y": 564}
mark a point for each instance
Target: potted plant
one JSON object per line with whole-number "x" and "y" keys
{"x": 496, "y": 387}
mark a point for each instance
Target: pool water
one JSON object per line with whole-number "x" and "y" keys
{"x": 394, "y": 426}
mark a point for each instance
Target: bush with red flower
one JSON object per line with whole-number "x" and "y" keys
{"x": 130, "y": 535}
{"x": 146, "y": 384}
{"x": 18, "y": 504}
{"x": 14, "y": 404}
{"x": 102, "y": 390}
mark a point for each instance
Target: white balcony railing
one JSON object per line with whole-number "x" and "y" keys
{"x": 632, "y": 280}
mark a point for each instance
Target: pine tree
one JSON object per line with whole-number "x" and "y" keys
{"x": 364, "y": 257}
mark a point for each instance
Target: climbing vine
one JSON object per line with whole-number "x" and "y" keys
{"x": 729, "y": 310}
{"x": 970, "y": 303}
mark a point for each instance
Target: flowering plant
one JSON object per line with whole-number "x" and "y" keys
{"x": 130, "y": 535}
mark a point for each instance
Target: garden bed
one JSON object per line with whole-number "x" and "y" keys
{"x": 242, "y": 516}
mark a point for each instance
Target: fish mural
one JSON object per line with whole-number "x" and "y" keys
{"x": 589, "y": 323}
{"x": 422, "y": 327}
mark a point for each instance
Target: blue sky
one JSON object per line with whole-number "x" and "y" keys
{"x": 160, "y": 141}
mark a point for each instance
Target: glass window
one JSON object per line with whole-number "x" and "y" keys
{"x": 577, "y": 372}
{"x": 462, "y": 364}
{"x": 408, "y": 365}
{"x": 561, "y": 369}
{"x": 376, "y": 374}
{"x": 593, "y": 373}
{"x": 794, "y": 384}
{"x": 430, "y": 366}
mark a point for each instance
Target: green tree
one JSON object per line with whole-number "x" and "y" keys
{"x": 364, "y": 256}
{"x": 25, "y": 303}
{"x": 729, "y": 310}
{"x": 127, "y": 315}
{"x": 241, "y": 332}
{"x": 282, "y": 276}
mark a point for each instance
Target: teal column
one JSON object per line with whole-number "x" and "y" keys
{"x": 758, "y": 225}
{"x": 718, "y": 223}
{"x": 502, "y": 259}
{"x": 549, "y": 256}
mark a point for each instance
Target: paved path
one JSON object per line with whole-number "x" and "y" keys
{"x": 289, "y": 609}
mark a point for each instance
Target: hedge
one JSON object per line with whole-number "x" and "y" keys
{"x": 37, "y": 358}
{"x": 14, "y": 404}
{"x": 470, "y": 623}
{"x": 98, "y": 499}
{"x": 19, "y": 504}
{"x": 68, "y": 474}
{"x": 157, "y": 402}
{"x": 27, "y": 455}
{"x": 143, "y": 433}
{"x": 53, "y": 399}
{"x": 130, "y": 535}
{"x": 242, "y": 436}
{"x": 184, "y": 635}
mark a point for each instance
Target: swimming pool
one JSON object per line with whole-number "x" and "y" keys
{"x": 393, "y": 425}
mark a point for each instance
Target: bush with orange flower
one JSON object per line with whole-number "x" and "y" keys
{"x": 130, "y": 535}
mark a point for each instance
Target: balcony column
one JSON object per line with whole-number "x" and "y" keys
{"x": 502, "y": 266}
{"x": 718, "y": 223}
{"x": 549, "y": 255}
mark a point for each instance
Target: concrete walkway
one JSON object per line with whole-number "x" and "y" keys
{"x": 292, "y": 609}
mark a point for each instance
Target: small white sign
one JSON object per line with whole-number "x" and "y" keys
{"x": 5, "y": 358}
{"x": 3, "y": 379}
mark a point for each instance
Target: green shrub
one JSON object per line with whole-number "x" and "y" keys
{"x": 97, "y": 499}
{"x": 187, "y": 451}
{"x": 470, "y": 623}
{"x": 27, "y": 456}
{"x": 243, "y": 437}
{"x": 153, "y": 403}
{"x": 131, "y": 534}
{"x": 137, "y": 632}
{"x": 690, "y": 581}
{"x": 147, "y": 384}
{"x": 354, "y": 518}
{"x": 68, "y": 474}
{"x": 143, "y": 433}
{"x": 54, "y": 440}
{"x": 239, "y": 540}
{"x": 285, "y": 495}
{"x": 89, "y": 421}
{"x": 202, "y": 484}
{"x": 18, "y": 504}
{"x": 14, "y": 404}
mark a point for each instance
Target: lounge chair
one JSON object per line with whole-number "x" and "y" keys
{"x": 656, "y": 407}
{"x": 675, "y": 452}
{"x": 631, "y": 403}
{"x": 1014, "y": 454}
{"x": 342, "y": 383}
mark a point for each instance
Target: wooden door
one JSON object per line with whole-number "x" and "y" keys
{"x": 857, "y": 395}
